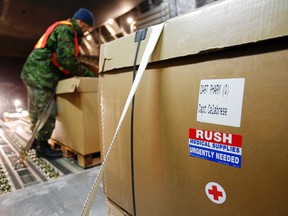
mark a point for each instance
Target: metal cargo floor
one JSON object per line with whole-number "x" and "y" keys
{"x": 63, "y": 196}
{"x": 42, "y": 187}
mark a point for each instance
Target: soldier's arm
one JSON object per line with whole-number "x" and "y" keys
{"x": 65, "y": 52}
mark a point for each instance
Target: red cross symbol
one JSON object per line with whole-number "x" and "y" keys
{"x": 214, "y": 191}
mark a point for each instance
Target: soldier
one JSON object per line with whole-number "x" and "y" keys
{"x": 54, "y": 58}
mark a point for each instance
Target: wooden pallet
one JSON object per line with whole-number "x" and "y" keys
{"x": 84, "y": 161}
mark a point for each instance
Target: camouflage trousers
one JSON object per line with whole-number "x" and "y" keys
{"x": 38, "y": 100}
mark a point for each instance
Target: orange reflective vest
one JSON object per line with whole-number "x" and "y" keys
{"x": 44, "y": 38}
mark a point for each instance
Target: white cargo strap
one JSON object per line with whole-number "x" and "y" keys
{"x": 155, "y": 34}
{"x": 39, "y": 124}
{"x": 41, "y": 121}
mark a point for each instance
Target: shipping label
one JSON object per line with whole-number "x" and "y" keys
{"x": 224, "y": 148}
{"x": 220, "y": 101}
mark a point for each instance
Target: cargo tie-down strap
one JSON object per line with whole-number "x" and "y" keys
{"x": 151, "y": 44}
{"x": 39, "y": 124}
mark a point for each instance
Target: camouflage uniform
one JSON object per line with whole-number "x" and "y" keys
{"x": 41, "y": 76}
{"x": 37, "y": 101}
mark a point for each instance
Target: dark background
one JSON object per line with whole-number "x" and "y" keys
{"x": 11, "y": 85}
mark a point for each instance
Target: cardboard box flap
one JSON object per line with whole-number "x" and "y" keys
{"x": 79, "y": 84}
{"x": 216, "y": 26}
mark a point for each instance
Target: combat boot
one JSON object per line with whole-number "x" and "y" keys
{"x": 44, "y": 150}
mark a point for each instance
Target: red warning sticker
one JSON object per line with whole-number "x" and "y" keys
{"x": 216, "y": 146}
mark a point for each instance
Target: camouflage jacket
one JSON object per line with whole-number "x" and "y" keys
{"x": 40, "y": 72}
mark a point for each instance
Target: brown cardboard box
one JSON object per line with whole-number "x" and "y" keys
{"x": 77, "y": 115}
{"x": 190, "y": 156}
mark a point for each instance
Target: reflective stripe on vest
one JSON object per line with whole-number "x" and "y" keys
{"x": 44, "y": 38}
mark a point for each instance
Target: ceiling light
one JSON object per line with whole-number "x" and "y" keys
{"x": 110, "y": 21}
{"x": 89, "y": 37}
{"x": 130, "y": 20}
